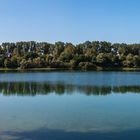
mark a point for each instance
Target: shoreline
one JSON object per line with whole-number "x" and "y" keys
{"x": 68, "y": 69}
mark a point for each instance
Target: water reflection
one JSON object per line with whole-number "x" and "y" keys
{"x": 59, "y": 88}
{"x": 44, "y": 133}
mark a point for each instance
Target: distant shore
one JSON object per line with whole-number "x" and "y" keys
{"x": 87, "y": 56}
{"x": 67, "y": 69}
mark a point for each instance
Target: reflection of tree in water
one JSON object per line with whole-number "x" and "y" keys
{"x": 34, "y": 88}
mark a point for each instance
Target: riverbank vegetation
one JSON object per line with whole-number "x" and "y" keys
{"x": 87, "y": 55}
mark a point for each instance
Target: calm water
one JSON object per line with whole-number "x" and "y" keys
{"x": 70, "y": 106}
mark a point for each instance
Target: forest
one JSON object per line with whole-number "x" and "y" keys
{"x": 86, "y": 56}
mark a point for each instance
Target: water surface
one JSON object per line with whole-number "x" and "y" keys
{"x": 69, "y": 105}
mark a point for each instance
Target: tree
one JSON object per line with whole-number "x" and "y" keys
{"x": 136, "y": 61}
{"x": 103, "y": 60}
{"x": 129, "y": 61}
{"x": 67, "y": 55}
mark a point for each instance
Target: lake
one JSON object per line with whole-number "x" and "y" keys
{"x": 69, "y": 105}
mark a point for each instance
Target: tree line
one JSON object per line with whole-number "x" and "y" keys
{"x": 87, "y": 55}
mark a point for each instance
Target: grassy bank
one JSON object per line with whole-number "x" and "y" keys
{"x": 68, "y": 69}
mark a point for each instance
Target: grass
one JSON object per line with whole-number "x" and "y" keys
{"x": 68, "y": 69}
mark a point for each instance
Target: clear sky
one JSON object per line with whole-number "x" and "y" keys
{"x": 70, "y": 20}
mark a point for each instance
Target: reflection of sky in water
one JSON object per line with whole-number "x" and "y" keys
{"x": 70, "y": 112}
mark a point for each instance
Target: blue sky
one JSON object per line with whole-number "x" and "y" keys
{"x": 70, "y": 20}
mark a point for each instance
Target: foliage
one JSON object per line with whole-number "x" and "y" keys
{"x": 87, "y": 55}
